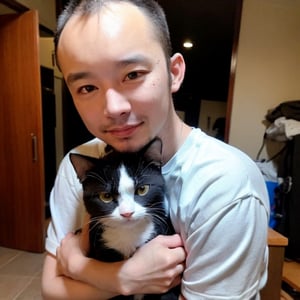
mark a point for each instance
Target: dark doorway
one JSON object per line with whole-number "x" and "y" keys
{"x": 49, "y": 124}
{"x": 74, "y": 131}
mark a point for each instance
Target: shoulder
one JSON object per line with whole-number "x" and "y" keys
{"x": 94, "y": 148}
{"x": 213, "y": 175}
{"x": 201, "y": 153}
{"x": 210, "y": 153}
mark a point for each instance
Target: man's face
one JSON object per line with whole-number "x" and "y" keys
{"x": 116, "y": 72}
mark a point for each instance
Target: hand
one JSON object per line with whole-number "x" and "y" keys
{"x": 154, "y": 268}
{"x": 73, "y": 248}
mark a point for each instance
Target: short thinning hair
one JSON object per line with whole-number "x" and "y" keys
{"x": 150, "y": 8}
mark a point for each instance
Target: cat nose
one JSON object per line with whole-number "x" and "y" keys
{"x": 127, "y": 215}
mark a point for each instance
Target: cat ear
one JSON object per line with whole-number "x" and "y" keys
{"x": 154, "y": 151}
{"x": 82, "y": 164}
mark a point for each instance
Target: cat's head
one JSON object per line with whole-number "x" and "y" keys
{"x": 122, "y": 186}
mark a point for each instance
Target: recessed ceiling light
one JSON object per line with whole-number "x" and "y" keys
{"x": 188, "y": 44}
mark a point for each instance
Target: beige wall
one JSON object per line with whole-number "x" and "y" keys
{"x": 210, "y": 111}
{"x": 268, "y": 67}
{"x": 47, "y": 11}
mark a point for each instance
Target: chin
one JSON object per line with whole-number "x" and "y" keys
{"x": 128, "y": 145}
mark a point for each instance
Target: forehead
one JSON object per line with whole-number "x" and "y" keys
{"x": 114, "y": 26}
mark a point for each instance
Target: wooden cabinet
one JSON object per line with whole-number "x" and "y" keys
{"x": 22, "y": 195}
{"x": 277, "y": 244}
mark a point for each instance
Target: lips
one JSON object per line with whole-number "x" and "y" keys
{"x": 124, "y": 131}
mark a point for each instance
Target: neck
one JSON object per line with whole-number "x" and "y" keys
{"x": 173, "y": 137}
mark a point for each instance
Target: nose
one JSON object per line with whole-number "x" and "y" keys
{"x": 127, "y": 215}
{"x": 116, "y": 104}
{"x": 126, "y": 208}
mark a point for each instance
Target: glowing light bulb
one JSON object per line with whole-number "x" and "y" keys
{"x": 188, "y": 44}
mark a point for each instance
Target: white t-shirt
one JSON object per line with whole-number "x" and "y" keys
{"x": 218, "y": 204}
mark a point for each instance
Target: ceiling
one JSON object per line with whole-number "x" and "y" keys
{"x": 210, "y": 25}
{"x": 201, "y": 19}
{"x": 5, "y": 10}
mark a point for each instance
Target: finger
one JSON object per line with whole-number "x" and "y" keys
{"x": 179, "y": 255}
{"x": 176, "y": 281}
{"x": 68, "y": 236}
{"x": 180, "y": 269}
{"x": 171, "y": 241}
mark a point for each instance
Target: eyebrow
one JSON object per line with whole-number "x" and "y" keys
{"x": 135, "y": 59}
{"x": 71, "y": 78}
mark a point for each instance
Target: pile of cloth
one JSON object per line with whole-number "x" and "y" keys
{"x": 277, "y": 171}
{"x": 285, "y": 121}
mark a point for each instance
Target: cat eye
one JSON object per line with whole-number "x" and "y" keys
{"x": 143, "y": 190}
{"x": 105, "y": 197}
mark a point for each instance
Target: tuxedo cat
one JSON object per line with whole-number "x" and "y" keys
{"x": 124, "y": 196}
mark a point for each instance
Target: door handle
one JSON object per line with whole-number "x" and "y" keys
{"x": 34, "y": 147}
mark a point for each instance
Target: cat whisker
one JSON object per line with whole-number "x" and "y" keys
{"x": 158, "y": 207}
{"x": 108, "y": 221}
{"x": 160, "y": 219}
{"x": 94, "y": 175}
{"x": 94, "y": 223}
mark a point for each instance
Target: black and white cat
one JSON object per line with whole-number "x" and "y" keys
{"x": 124, "y": 195}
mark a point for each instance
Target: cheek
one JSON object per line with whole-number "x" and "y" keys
{"x": 156, "y": 94}
{"x": 88, "y": 112}
{"x": 161, "y": 93}
{"x": 158, "y": 104}
{"x": 153, "y": 107}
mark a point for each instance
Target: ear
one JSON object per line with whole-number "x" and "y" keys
{"x": 153, "y": 151}
{"x": 177, "y": 69}
{"x": 82, "y": 164}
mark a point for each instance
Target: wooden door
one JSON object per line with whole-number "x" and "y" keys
{"x": 21, "y": 148}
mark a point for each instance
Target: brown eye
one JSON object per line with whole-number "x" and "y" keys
{"x": 105, "y": 197}
{"x": 86, "y": 89}
{"x": 132, "y": 75}
{"x": 143, "y": 190}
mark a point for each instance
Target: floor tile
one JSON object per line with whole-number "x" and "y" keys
{"x": 32, "y": 292}
{"x": 10, "y": 286}
{"x": 24, "y": 264}
{"x": 6, "y": 255}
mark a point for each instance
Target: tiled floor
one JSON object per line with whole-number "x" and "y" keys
{"x": 20, "y": 274}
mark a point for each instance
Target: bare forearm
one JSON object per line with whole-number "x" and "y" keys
{"x": 100, "y": 275}
{"x": 65, "y": 288}
{"x": 56, "y": 286}
{"x": 111, "y": 278}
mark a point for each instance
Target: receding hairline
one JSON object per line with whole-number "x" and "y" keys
{"x": 158, "y": 25}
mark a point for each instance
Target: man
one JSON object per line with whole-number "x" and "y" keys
{"x": 116, "y": 59}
